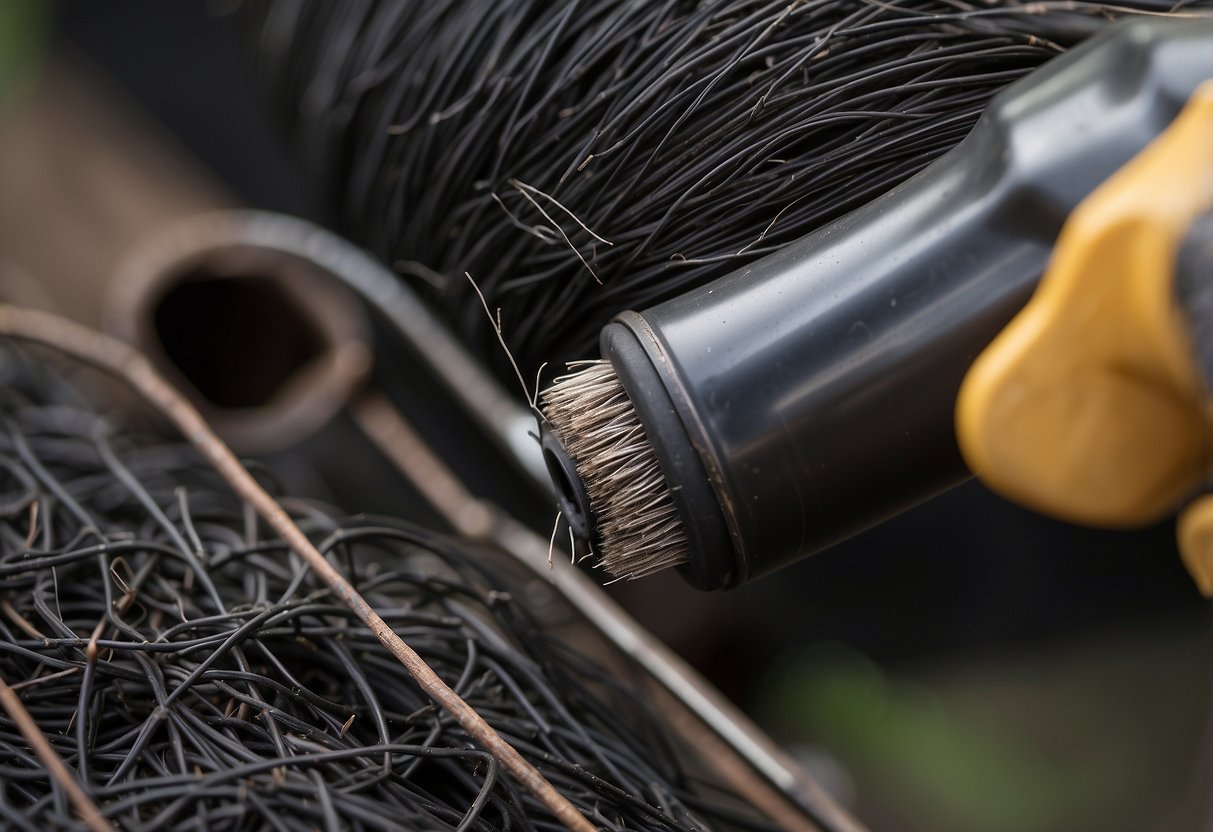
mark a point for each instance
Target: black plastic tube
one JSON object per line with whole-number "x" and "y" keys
{"x": 810, "y": 395}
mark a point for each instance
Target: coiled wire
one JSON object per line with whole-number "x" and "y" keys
{"x": 195, "y": 675}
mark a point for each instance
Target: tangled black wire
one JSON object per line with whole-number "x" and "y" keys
{"x": 195, "y": 675}
{"x": 582, "y": 157}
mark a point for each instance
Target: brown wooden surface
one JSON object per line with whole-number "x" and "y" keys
{"x": 83, "y": 176}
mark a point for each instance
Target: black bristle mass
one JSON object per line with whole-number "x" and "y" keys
{"x": 578, "y": 158}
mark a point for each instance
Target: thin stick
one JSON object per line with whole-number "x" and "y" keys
{"x": 131, "y": 366}
{"x": 401, "y": 444}
{"x": 85, "y": 806}
{"x": 396, "y": 439}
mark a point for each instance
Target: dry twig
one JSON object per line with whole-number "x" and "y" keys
{"x": 131, "y": 366}
{"x": 86, "y": 808}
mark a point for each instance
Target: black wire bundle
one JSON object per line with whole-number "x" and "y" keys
{"x": 582, "y": 157}
{"x": 195, "y": 675}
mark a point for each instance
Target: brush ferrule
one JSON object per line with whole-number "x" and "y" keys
{"x": 682, "y": 451}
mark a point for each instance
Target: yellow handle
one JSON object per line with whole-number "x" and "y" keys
{"x": 1088, "y": 406}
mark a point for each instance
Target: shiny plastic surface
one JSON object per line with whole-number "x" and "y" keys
{"x": 1087, "y": 406}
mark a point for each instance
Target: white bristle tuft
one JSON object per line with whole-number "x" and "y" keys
{"x": 639, "y": 531}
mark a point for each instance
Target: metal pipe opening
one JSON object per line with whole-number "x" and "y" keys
{"x": 266, "y": 342}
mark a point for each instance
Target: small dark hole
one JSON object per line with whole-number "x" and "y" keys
{"x": 560, "y": 477}
{"x": 237, "y": 340}
{"x": 570, "y": 494}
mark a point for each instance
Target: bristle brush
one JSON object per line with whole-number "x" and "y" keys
{"x": 805, "y": 397}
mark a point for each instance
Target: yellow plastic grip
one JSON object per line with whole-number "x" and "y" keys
{"x": 1088, "y": 406}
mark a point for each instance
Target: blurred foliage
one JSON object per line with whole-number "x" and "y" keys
{"x": 24, "y": 25}
{"x": 1100, "y": 733}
